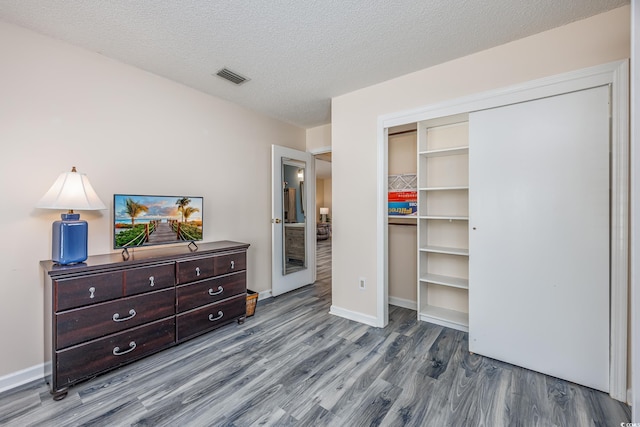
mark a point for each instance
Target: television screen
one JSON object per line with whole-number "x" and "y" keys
{"x": 155, "y": 220}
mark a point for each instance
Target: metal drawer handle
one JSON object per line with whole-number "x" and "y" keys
{"x": 220, "y": 290}
{"x": 197, "y": 271}
{"x": 92, "y": 290}
{"x": 152, "y": 281}
{"x": 233, "y": 265}
{"x": 211, "y": 318}
{"x": 116, "y": 316}
{"x": 117, "y": 352}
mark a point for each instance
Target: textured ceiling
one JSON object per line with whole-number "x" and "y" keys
{"x": 298, "y": 54}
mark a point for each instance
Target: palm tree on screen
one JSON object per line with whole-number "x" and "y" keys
{"x": 182, "y": 204}
{"x": 187, "y": 211}
{"x": 134, "y": 209}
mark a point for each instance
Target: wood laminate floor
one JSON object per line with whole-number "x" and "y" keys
{"x": 293, "y": 364}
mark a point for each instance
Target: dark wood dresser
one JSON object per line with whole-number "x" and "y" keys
{"x": 107, "y": 312}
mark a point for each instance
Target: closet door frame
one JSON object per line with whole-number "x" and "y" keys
{"x": 614, "y": 74}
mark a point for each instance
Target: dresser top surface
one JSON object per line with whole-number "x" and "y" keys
{"x": 141, "y": 256}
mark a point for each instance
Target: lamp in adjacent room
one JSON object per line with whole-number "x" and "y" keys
{"x": 323, "y": 214}
{"x": 71, "y": 191}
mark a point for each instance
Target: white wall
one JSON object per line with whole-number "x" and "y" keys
{"x": 319, "y": 139}
{"x": 130, "y": 132}
{"x": 319, "y": 196}
{"x": 326, "y": 196}
{"x": 589, "y": 42}
{"x": 323, "y": 196}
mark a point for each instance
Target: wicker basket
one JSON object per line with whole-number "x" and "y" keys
{"x": 252, "y": 300}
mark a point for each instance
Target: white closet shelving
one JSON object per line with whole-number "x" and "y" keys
{"x": 443, "y": 223}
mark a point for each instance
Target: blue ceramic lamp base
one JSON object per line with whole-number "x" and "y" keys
{"x": 69, "y": 240}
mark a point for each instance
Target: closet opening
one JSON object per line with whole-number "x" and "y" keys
{"x": 402, "y": 215}
{"x": 446, "y": 205}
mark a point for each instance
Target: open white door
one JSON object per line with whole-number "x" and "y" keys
{"x": 293, "y": 219}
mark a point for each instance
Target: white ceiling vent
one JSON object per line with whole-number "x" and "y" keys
{"x": 234, "y": 78}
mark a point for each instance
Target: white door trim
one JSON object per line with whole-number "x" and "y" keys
{"x": 635, "y": 210}
{"x": 615, "y": 74}
{"x": 382, "y": 234}
{"x": 620, "y": 226}
{"x": 321, "y": 150}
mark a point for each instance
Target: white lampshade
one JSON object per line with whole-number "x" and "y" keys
{"x": 71, "y": 190}
{"x": 324, "y": 211}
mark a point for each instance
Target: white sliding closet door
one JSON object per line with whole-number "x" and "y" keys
{"x": 539, "y": 235}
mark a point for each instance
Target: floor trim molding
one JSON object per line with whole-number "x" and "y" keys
{"x": 404, "y": 303}
{"x": 354, "y": 315}
{"x": 24, "y": 376}
{"x": 264, "y": 294}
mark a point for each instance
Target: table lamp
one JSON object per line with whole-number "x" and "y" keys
{"x": 71, "y": 190}
{"x": 323, "y": 214}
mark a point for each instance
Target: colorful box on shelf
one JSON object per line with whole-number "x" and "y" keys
{"x": 403, "y": 203}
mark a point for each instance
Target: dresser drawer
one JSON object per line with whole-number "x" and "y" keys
{"x": 192, "y": 270}
{"x": 229, "y": 263}
{"x": 147, "y": 279}
{"x": 83, "y": 324}
{"x": 209, "y": 317}
{"x": 208, "y": 291}
{"x": 82, "y": 361}
{"x": 85, "y": 290}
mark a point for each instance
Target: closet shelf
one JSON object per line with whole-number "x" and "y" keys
{"x": 437, "y": 279}
{"x": 445, "y": 217}
{"x": 443, "y": 222}
{"x": 445, "y": 152}
{"x": 444, "y": 188}
{"x": 445, "y": 317}
{"x": 445, "y": 250}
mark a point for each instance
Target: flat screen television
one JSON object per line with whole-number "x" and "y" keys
{"x": 143, "y": 220}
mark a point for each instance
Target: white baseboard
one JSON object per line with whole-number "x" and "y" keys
{"x": 264, "y": 295}
{"x": 16, "y": 379}
{"x": 404, "y": 303}
{"x": 354, "y": 315}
